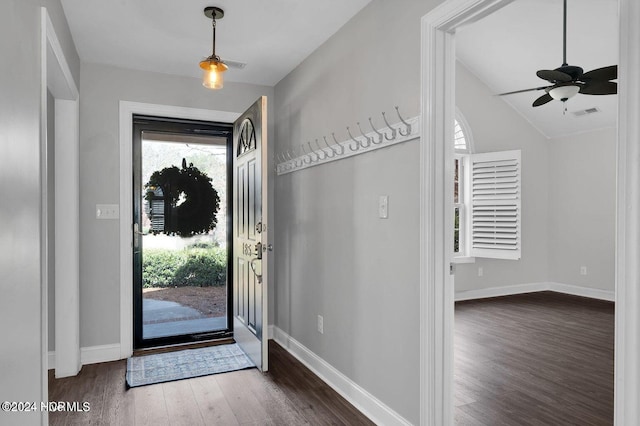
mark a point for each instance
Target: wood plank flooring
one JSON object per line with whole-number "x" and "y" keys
{"x": 536, "y": 359}
{"x": 289, "y": 394}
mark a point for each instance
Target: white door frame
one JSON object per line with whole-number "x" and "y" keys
{"x": 436, "y": 289}
{"x": 57, "y": 78}
{"x": 127, "y": 110}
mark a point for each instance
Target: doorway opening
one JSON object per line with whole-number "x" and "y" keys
{"x": 436, "y": 284}
{"x": 182, "y": 242}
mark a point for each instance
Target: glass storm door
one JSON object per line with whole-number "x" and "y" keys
{"x": 182, "y": 231}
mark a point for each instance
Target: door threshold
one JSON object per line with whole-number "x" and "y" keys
{"x": 183, "y": 346}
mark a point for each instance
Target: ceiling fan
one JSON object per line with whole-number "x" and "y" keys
{"x": 569, "y": 80}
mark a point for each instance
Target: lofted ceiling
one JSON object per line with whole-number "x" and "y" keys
{"x": 505, "y": 49}
{"x": 271, "y": 37}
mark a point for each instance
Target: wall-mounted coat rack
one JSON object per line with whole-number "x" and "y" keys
{"x": 316, "y": 152}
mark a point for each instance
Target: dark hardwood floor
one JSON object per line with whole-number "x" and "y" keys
{"x": 535, "y": 359}
{"x": 289, "y": 394}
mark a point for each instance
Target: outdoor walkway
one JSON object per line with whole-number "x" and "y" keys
{"x": 164, "y": 318}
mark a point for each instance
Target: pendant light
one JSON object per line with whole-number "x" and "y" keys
{"x": 213, "y": 67}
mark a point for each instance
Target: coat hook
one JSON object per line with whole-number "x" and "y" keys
{"x": 308, "y": 155}
{"x": 380, "y": 135}
{"x": 333, "y": 151}
{"x": 364, "y": 136}
{"x": 393, "y": 131}
{"x": 288, "y": 163}
{"x": 297, "y": 162}
{"x": 312, "y": 152}
{"x": 408, "y": 131}
{"x": 353, "y": 139}
{"x": 338, "y": 144}
{"x": 305, "y": 155}
{"x": 287, "y": 155}
{"x": 321, "y": 150}
{"x": 316, "y": 153}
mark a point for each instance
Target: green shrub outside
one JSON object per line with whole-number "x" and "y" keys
{"x": 194, "y": 267}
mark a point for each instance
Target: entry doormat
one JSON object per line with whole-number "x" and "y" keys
{"x": 169, "y": 366}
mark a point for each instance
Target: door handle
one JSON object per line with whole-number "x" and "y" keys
{"x": 253, "y": 268}
{"x": 136, "y": 230}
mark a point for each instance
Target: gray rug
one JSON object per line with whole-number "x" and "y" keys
{"x": 169, "y": 366}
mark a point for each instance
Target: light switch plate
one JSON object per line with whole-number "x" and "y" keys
{"x": 383, "y": 207}
{"x": 107, "y": 211}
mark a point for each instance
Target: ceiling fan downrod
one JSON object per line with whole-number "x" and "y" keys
{"x": 564, "y": 36}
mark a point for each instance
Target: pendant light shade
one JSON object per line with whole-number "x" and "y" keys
{"x": 213, "y": 68}
{"x": 213, "y": 73}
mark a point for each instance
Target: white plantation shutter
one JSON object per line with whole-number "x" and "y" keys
{"x": 494, "y": 199}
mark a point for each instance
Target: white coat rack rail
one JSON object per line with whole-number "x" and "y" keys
{"x": 323, "y": 151}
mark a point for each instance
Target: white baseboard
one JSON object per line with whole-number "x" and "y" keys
{"x": 102, "y": 353}
{"x": 51, "y": 360}
{"x": 91, "y": 355}
{"x": 593, "y": 293}
{"x": 509, "y": 290}
{"x": 369, "y": 405}
{"x": 500, "y": 291}
{"x": 271, "y": 331}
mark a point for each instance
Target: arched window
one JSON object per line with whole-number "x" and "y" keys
{"x": 459, "y": 140}
{"x": 462, "y": 139}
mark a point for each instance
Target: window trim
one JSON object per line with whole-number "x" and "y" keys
{"x": 460, "y": 155}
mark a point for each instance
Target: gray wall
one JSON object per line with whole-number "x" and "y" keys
{"x": 582, "y": 214}
{"x": 334, "y": 256}
{"x": 495, "y": 126}
{"x": 102, "y": 88}
{"x": 21, "y": 361}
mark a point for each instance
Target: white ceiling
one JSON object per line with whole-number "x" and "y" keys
{"x": 505, "y": 50}
{"x": 173, "y": 36}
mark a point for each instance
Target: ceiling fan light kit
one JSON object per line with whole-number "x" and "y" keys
{"x": 569, "y": 80}
{"x": 562, "y": 93}
{"x": 213, "y": 67}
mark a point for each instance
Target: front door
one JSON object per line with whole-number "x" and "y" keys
{"x": 251, "y": 248}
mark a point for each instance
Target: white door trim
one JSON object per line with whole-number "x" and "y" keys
{"x": 58, "y": 79}
{"x": 127, "y": 110}
{"x": 436, "y": 301}
{"x": 627, "y": 339}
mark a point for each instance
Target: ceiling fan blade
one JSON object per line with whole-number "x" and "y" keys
{"x": 601, "y": 74}
{"x": 600, "y": 88}
{"x": 522, "y": 91}
{"x": 234, "y": 64}
{"x": 542, "y": 100}
{"x": 554, "y": 76}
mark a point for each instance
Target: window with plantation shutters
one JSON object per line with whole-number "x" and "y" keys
{"x": 494, "y": 196}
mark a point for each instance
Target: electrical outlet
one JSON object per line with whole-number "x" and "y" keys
{"x": 583, "y": 270}
{"x": 320, "y": 324}
{"x": 480, "y": 271}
